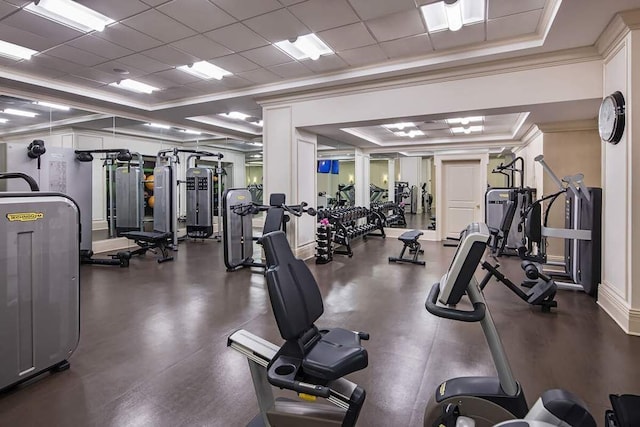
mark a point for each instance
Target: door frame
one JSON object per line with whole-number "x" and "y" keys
{"x": 439, "y": 159}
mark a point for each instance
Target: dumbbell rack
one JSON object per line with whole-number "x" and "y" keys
{"x": 392, "y": 214}
{"x": 345, "y": 225}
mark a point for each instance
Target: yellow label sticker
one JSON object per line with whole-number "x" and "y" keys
{"x": 241, "y": 197}
{"x": 25, "y": 216}
{"x": 443, "y": 387}
{"x": 196, "y": 172}
{"x": 504, "y": 196}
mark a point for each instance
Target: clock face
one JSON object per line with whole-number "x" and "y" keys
{"x": 607, "y": 118}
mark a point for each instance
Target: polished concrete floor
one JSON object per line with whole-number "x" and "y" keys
{"x": 153, "y": 342}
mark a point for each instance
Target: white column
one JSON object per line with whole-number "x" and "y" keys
{"x": 411, "y": 172}
{"x": 362, "y": 178}
{"x": 392, "y": 179}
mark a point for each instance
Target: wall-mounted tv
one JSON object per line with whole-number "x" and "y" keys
{"x": 324, "y": 166}
{"x": 335, "y": 167}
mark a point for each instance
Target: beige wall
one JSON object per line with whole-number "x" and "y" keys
{"x": 254, "y": 175}
{"x": 378, "y": 170}
{"x": 347, "y": 173}
{"x": 569, "y": 153}
{"x": 496, "y": 179}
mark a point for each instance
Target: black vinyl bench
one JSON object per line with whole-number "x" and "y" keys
{"x": 410, "y": 240}
{"x": 150, "y": 240}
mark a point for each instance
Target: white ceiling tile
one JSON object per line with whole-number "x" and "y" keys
{"x": 260, "y": 76}
{"x": 513, "y": 25}
{"x": 324, "y": 14}
{"x": 291, "y": 70}
{"x": 76, "y": 55}
{"x": 116, "y": 9}
{"x": 18, "y": 3}
{"x": 175, "y": 77}
{"x": 128, "y": 37}
{"x": 174, "y": 93}
{"x": 25, "y": 38}
{"x": 498, "y": 8}
{"x": 325, "y": 63}
{"x": 267, "y": 56}
{"x": 171, "y": 56}
{"x": 243, "y": 9}
{"x": 100, "y": 47}
{"x": 407, "y": 47}
{"x": 6, "y": 8}
{"x": 108, "y": 67}
{"x": 80, "y": 81}
{"x": 235, "y": 82}
{"x": 202, "y": 47}
{"x": 235, "y": 63}
{"x": 201, "y": 15}
{"x": 347, "y": 37}
{"x": 277, "y": 26}
{"x": 290, "y": 2}
{"x": 143, "y": 63}
{"x": 36, "y": 69}
{"x": 363, "y": 55}
{"x": 96, "y": 75}
{"x": 46, "y": 61}
{"x": 237, "y": 37}
{"x": 155, "y": 2}
{"x": 208, "y": 86}
{"x": 397, "y": 26}
{"x": 159, "y": 26}
{"x": 43, "y": 27}
{"x": 370, "y": 9}
{"x": 469, "y": 34}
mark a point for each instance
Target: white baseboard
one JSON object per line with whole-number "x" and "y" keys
{"x": 109, "y": 245}
{"x": 626, "y": 317}
{"x": 307, "y": 251}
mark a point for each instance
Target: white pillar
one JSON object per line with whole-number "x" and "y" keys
{"x": 392, "y": 180}
{"x": 362, "y": 179}
{"x": 290, "y": 168}
{"x": 411, "y": 172}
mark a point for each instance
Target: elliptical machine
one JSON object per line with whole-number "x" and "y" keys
{"x": 487, "y": 401}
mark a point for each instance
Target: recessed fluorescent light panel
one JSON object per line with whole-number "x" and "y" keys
{"x": 14, "y": 51}
{"x": 303, "y": 47}
{"x": 399, "y": 126}
{"x": 4, "y": 121}
{"x": 71, "y": 14}
{"x": 191, "y": 132}
{"x": 465, "y": 120}
{"x": 467, "y": 130}
{"x": 235, "y": 115}
{"x": 410, "y": 134}
{"x": 20, "y": 113}
{"x": 205, "y": 70}
{"x": 52, "y": 105}
{"x": 158, "y": 126}
{"x": 453, "y": 14}
{"x": 134, "y": 86}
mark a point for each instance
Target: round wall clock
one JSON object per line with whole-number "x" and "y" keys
{"x": 611, "y": 118}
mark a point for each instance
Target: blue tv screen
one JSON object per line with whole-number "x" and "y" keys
{"x": 324, "y": 166}
{"x": 335, "y": 167}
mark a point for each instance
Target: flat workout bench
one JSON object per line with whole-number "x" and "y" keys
{"x": 410, "y": 240}
{"x": 149, "y": 240}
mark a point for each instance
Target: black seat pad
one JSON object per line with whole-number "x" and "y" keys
{"x": 410, "y": 236}
{"x": 335, "y": 355}
{"x": 147, "y": 236}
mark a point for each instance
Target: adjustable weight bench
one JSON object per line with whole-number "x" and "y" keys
{"x": 150, "y": 240}
{"x": 410, "y": 240}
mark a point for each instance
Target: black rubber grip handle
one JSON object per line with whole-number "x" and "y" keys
{"x": 17, "y": 175}
{"x": 476, "y": 315}
{"x": 312, "y": 389}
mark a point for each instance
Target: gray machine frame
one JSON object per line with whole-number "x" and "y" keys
{"x": 200, "y": 197}
{"x": 129, "y": 196}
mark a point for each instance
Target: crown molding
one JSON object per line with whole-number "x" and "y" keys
{"x": 568, "y": 126}
{"x": 621, "y": 24}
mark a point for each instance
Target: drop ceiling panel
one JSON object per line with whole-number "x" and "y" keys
{"x": 325, "y": 63}
{"x": 235, "y": 82}
{"x": 142, "y": 63}
{"x": 100, "y": 47}
{"x": 321, "y": 15}
{"x": 159, "y": 26}
{"x": 267, "y": 56}
{"x": 202, "y": 47}
{"x": 6, "y": 9}
{"x": 171, "y": 56}
{"x": 407, "y": 47}
{"x": 243, "y": 9}
{"x": 290, "y": 2}
{"x": 235, "y": 63}
{"x": 177, "y": 77}
{"x": 128, "y": 37}
{"x": 278, "y": 25}
{"x": 40, "y": 26}
{"x": 260, "y": 76}
{"x": 157, "y": 80}
{"x": 469, "y": 34}
{"x": 97, "y": 75}
{"x": 370, "y": 9}
{"x": 396, "y": 26}
{"x": 201, "y": 15}
{"x": 498, "y": 8}
{"x": 25, "y": 38}
{"x": 155, "y": 2}
{"x": 76, "y": 55}
{"x": 82, "y": 81}
{"x": 173, "y": 93}
{"x": 108, "y": 67}
{"x": 291, "y": 70}
{"x": 116, "y": 9}
{"x": 18, "y": 3}
{"x": 347, "y": 37}
{"x": 207, "y": 86}
{"x": 513, "y": 25}
{"x": 34, "y": 68}
{"x": 237, "y": 37}
{"x": 52, "y": 62}
{"x": 363, "y": 55}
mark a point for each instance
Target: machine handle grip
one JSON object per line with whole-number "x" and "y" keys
{"x": 476, "y": 315}
{"x": 312, "y": 389}
{"x": 18, "y": 175}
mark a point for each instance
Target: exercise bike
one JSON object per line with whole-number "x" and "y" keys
{"x": 487, "y": 401}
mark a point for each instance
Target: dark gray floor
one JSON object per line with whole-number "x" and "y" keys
{"x": 153, "y": 350}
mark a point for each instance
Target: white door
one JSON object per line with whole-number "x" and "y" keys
{"x": 462, "y": 190}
